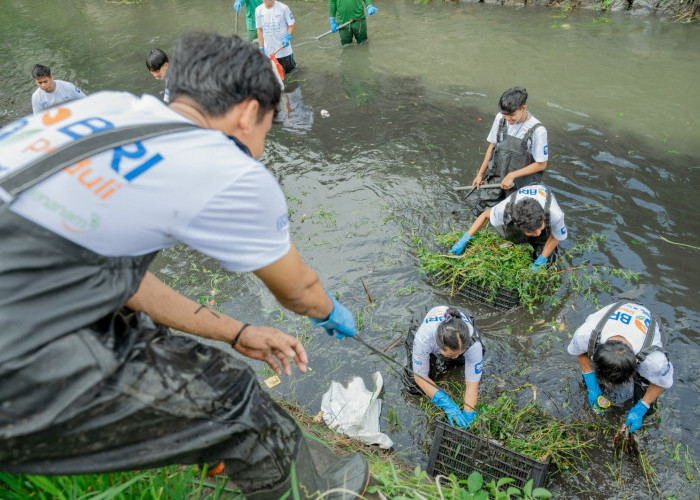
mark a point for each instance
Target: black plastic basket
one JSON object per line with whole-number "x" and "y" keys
{"x": 456, "y": 451}
{"x": 502, "y": 298}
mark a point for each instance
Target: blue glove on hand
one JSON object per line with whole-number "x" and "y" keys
{"x": 469, "y": 417}
{"x": 287, "y": 39}
{"x": 539, "y": 263}
{"x": 593, "y": 390}
{"x": 237, "y": 6}
{"x": 334, "y": 25}
{"x": 371, "y": 9}
{"x": 459, "y": 247}
{"x": 262, "y": 50}
{"x": 340, "y": 323}
{"x": 636, "y": 414}
{"x": 454, "y": 414}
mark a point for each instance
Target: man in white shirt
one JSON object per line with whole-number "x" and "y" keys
{"x": 517, "y": 153}
{"x": 529, "y": 215}
{"x": 91, "y": 378}
{"x": 51, "y": 92}
{"x": 275, "y": 24}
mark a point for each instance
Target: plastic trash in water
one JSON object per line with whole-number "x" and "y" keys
{"x": 325, "y": 114}
{"x": 354, "y": 411}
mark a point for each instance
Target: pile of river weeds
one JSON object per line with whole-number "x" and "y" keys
{"x": 497, "y": 268}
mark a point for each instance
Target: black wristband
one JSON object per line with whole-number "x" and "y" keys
{"x": 235, "y": 339}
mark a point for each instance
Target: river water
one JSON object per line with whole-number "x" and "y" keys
{"x": 409, "y": 116}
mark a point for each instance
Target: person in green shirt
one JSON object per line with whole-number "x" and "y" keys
{"x": 250, "y": 6}
{"x": 342, "y": 11}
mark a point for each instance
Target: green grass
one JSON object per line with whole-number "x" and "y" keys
{"x": 496, "y": 266}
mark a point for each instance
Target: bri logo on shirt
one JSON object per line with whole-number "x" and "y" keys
{"x": 416, "y": 362}
{"x": 479, "y": 367}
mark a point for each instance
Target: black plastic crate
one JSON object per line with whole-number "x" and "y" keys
{"x": 456, "y": 451}
{"x": 503, "y": 298}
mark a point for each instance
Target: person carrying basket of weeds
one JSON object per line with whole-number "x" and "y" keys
{"x": 442, "y": 338}
{"x": 622, "y": 341}
{"x": 529, "y": 215}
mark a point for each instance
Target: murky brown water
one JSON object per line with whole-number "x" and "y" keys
{"x": 409, "y": 115}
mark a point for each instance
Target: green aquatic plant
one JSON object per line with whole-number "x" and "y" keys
{"x": 496, "y": 266}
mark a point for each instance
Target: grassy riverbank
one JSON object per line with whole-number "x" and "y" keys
{"x": 391, "y": 478}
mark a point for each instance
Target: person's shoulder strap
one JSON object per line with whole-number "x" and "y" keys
{"x": 36, "y": 171}
{"x": 647, "y": 347}
{"x": 547, "y": 205}
{"x": 507, "y": 217}
{"x": 595, "y": 333}
{"x": 531, "y": 131}
{"x": 502, "y": 130}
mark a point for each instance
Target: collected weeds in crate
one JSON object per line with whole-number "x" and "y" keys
{"x": 496, "y": 267}
{"x": 531, "y": 431}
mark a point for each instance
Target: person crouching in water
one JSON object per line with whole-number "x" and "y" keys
{"x": 446, "y": 337}
{"x": 529, "y": 215}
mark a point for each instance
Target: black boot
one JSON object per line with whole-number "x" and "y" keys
{"x": 349, "y": 473}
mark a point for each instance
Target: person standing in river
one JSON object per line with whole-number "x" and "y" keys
{"x": 91, "y": 379}
{"x": 275, "y": 24}
{"x": 622, "y": 341}
{"x": 342, "y": 11}
{"x": 51, "y": 92}
{"x": 517, "y": 153}
{"x": 250, "y": 6}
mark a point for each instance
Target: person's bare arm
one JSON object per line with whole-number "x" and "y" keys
{"x": 480, "y": 222}
{"x": 261, "y": 40}
{"x": 532, "y": 168}
{"x": 479, "y": 179}
{"x": 652, "y": 392}
{"x": 290, "y": 29}
{"x": 585, "y": 362}
{"x": 549, "y": 246}
{"x": 296, "y": 286}
{"x": 471, "y": 394}
{"x": 167, "y": 307}
{"x": 427, "y": 385}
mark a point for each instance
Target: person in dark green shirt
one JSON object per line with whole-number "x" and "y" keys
{"x": 342, "y": 11}
{"x": 250, "y": 6}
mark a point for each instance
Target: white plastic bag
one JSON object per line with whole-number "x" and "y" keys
{"x": 354, "y": 411}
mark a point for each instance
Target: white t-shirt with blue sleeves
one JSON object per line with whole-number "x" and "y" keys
{"x": 425, "y": 344}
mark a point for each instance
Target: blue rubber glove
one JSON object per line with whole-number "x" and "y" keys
{"x": 371, "y": 9}
{"x": 459, "y": 247}
{"x": 539, "y": 263}
{"x": 262, "y": 50}
{"x": 287, "y": 39}
{"x": 237, "y": 6}
{"x": 593, "y": 390}
{"x": 636, "y": 414}
{"x": 469, "y": 417}
{"x": 454, "y": 414}
{"x": 340, "y": 323}
{"x": 334, "y": 25}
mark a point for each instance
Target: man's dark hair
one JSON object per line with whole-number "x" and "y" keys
{"x": 40, "y": 71}
{"x": 155, "y": 59}
{"x": 614, "y": 362}
{"x": 512, "y": 100}
{"x": 453, "y": 333}
{"x": 528, "y": 215}
{"x": 219, "y": 72}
